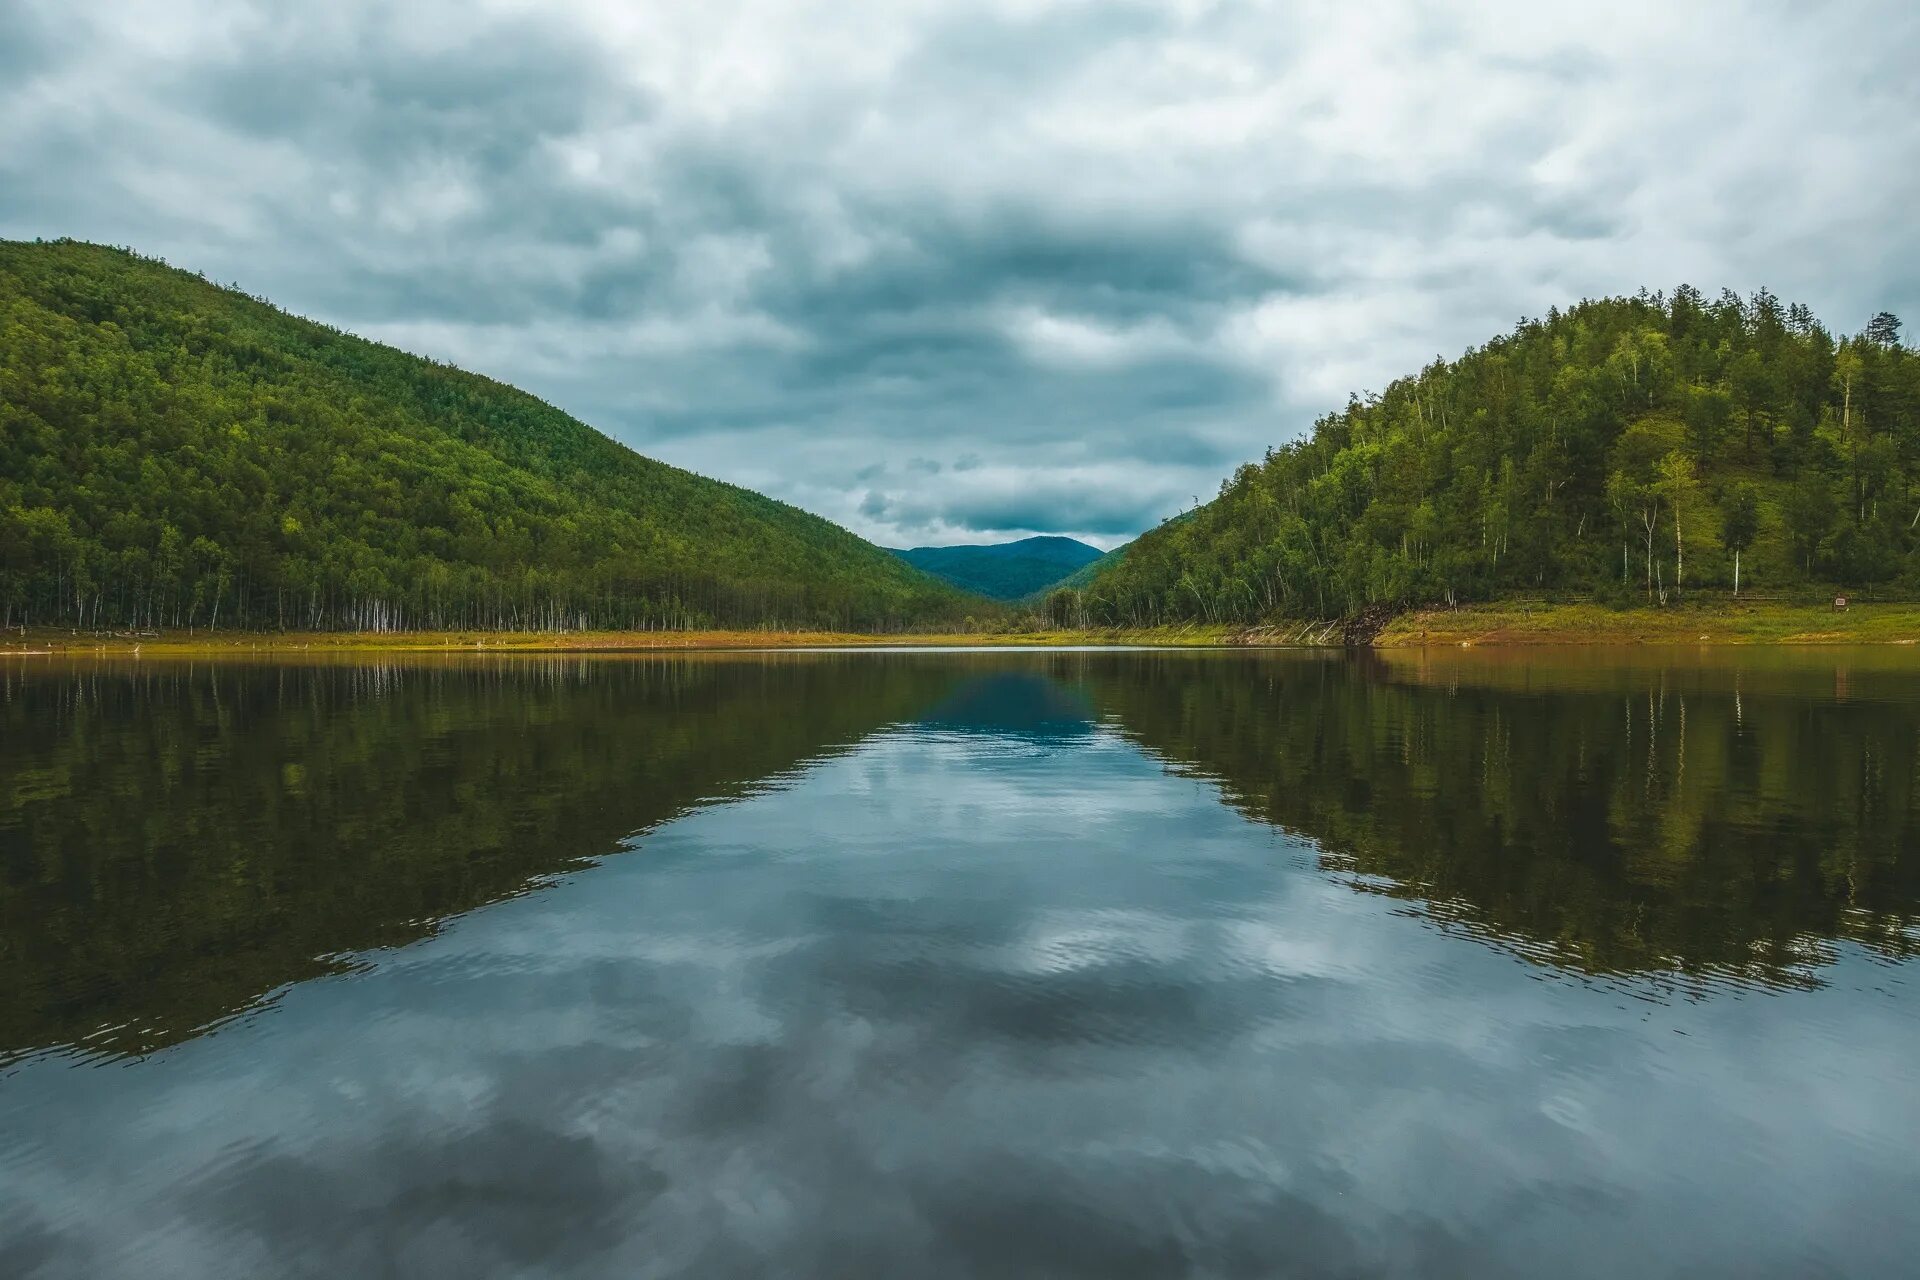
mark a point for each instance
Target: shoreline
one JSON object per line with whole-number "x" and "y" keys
{"x": 64, "y": 642}
{"x": 1506, "y": 624}
{"x": 1521, "y": 623}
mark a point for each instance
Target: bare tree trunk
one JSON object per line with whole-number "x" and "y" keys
{"x": 1648, "y": 522}
{"x": 1679, "y": 553}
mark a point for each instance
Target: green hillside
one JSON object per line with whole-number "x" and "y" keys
{"x": 1005, "y": 570}
{"x": 1086, "y": 573}
{"x": 173, "y": 453}
{"x": 1627, "y": 450}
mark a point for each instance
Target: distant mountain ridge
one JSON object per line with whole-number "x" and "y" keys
{"x": 1005, "y": 570}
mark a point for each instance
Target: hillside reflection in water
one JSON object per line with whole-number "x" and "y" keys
{"x": 961, "y": 964}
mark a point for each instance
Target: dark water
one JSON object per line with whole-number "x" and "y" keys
{"x": 1065, "y": 964}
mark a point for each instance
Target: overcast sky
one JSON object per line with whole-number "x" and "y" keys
{"x": 960, "y": 272}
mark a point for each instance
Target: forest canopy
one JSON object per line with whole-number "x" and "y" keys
{"x": 173, "y": 453}
{"x": 1629, "y": 449}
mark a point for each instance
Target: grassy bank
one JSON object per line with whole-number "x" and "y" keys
{"x": 1704, "y": 622}
{"x": 1508, "y": 623}
{"x": 184, "y": 644}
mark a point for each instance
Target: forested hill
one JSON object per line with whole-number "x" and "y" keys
{"x": 1005, "y": 570}
{"x": 1630, "y": 449}
{"x": 174, "y": 453}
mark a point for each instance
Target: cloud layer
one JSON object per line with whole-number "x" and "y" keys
{"x": 951, "y": 272}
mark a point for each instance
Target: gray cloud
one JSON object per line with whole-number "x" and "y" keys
{"x": 1046, "y": 266}
{"x": 1104, "y": 507}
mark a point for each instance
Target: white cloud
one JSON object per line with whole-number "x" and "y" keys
{"x": 1080, "y": 343}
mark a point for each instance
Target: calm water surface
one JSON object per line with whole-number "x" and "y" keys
{"x": 1013, "y": 964}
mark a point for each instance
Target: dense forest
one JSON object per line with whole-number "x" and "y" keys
{"x": 175, "y": 454}
{"x": 1629, "y": 449}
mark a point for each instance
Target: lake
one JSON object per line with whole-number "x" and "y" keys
{"x": 1109, "y": 963}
